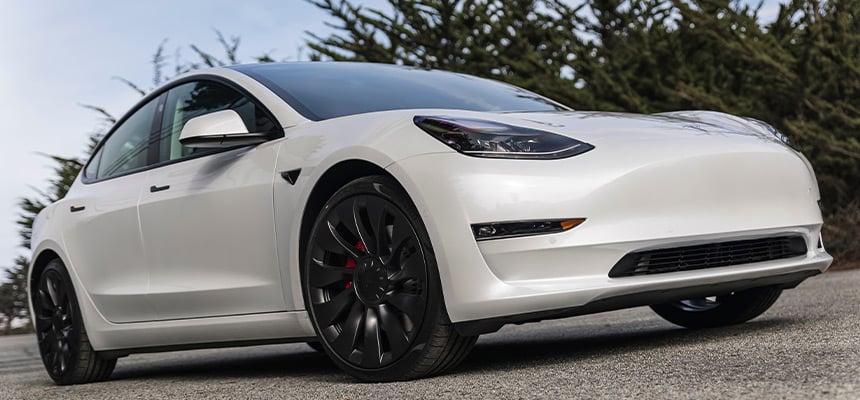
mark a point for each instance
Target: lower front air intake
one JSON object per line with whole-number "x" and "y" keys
{"x": 711, "y": 255}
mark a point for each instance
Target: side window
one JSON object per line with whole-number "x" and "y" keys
{"x": 198, "y": 98}
{"x": 126, "y": 148}
{"x": 91, "y": 172}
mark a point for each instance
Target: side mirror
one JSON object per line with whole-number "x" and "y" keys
{"x": 219, "y": 129}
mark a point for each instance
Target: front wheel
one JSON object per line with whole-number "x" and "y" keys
{"x": 66, "y": 351}
{"x": 372, "y": 287}
{"x": 729, "y": 309}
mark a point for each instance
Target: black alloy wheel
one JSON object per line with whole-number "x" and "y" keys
{"x": 54, "y": 316}
{"x": 63, "y": 342}
{"x": 722, "y": 310}
{"x": 368, "y": 281}
{"x": 371, "y": 285}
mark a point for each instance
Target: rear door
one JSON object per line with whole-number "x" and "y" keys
{"x": 103, "y": 239}
{"x": 207, "y": 216}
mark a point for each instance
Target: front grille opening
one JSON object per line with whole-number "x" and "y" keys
{"x": 709, "y": 255}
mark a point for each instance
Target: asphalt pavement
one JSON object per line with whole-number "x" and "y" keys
{"x": 806, "y": 346}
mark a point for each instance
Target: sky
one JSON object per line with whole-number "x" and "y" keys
{"x": 57, "y": 55}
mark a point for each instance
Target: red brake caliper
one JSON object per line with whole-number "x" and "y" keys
{"x": 351, "y": 262}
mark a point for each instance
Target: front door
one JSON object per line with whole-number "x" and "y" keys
{"x": 207, "y": 217}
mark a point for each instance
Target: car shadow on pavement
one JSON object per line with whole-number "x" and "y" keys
{"x": 514, "y": 352}
{"x": 256, "y": 364}
{"x": 504, "y": 351}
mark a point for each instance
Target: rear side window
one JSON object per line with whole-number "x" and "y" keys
{"x": 126, "y": 148}
{"x": 198, "y": 98}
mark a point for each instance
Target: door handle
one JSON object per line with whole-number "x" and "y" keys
{"x": 153, "y": 188}
{"x": 76, "y": 208}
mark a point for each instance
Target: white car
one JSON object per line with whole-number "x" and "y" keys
{"x": 389, "y": 215}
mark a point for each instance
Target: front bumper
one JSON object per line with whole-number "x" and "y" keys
{"x": 631, "y": 203}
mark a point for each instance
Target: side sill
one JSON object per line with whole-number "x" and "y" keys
{"x": 198, "y": 346}
{"x": 489, "y": 325}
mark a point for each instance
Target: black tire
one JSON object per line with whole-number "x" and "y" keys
{"x": 65, "y": 349}
{"x": 372, "y": 289}
{"x": 730, "y": 309}
{"x": 316, "y": 346}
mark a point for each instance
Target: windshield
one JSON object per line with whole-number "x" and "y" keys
{"x": 323, "y": 90}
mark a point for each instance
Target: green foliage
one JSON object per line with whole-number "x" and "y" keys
{"x": 13, "y": 294}
{"x": 519, "y": 41}
{"x": 65, "y": 171}
{"x": 800, "y": 72}
{"x": 840, "y": 235}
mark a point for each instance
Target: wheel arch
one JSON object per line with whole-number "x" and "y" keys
{"x": 47, "y": 251}
{"x": 42, "y": 256}
{"x": 334, "y": 178}
{"x": 40, "y": 262}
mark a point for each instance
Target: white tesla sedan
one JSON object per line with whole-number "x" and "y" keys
{"x": 390, "y": 215}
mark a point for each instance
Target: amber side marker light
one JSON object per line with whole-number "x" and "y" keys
{"x": 499, "y": 230}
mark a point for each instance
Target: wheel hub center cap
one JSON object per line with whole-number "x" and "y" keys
{"x": 371, "y": 280}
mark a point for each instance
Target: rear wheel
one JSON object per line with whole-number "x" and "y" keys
{"x": 730, "y": 309}
{"x": 66, "y": 351}
{"x": 372, "y": 288}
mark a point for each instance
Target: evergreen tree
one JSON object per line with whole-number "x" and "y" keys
{"x": 13, "y": 294}
{"x": 824, "y": 108}
{"x": 523, "y": 42}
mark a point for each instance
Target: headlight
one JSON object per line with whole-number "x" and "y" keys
{"x": 482, "y": 138}
{"x": 770, "y": 129}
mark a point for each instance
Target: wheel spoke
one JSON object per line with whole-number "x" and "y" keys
{"x": 323, "y": 275}
{"x": 327, "y": 313}
{"x": 63, "y": 296}
{"x": 67, "y": 321}
{"x": 346, "y": 341}
{"x": 344, "y": 213}
{"x": 372, "y": 340}
{"x": 66, "y": 332}
{"x": 45, "y": 300}
{"x": 411, "y": 267}
{"x": 64, "y": 354}
{"x": 342, "y": 242}
{"x": 55, "y": 361}
{"x": 43, "y": 323}
{"x": 383, "y": 236}
{"x": 52, "y": 291}
{"x": 397, "y": 336}
{"x": 401, "y": 232}
{"x": 376, "y": 224}
{"x": 411, "y": 305}
{"x": 49, "y": 339}
{"x": 365, "y": 234}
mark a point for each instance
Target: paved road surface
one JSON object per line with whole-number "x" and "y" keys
{"x": 806, "y": 346}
